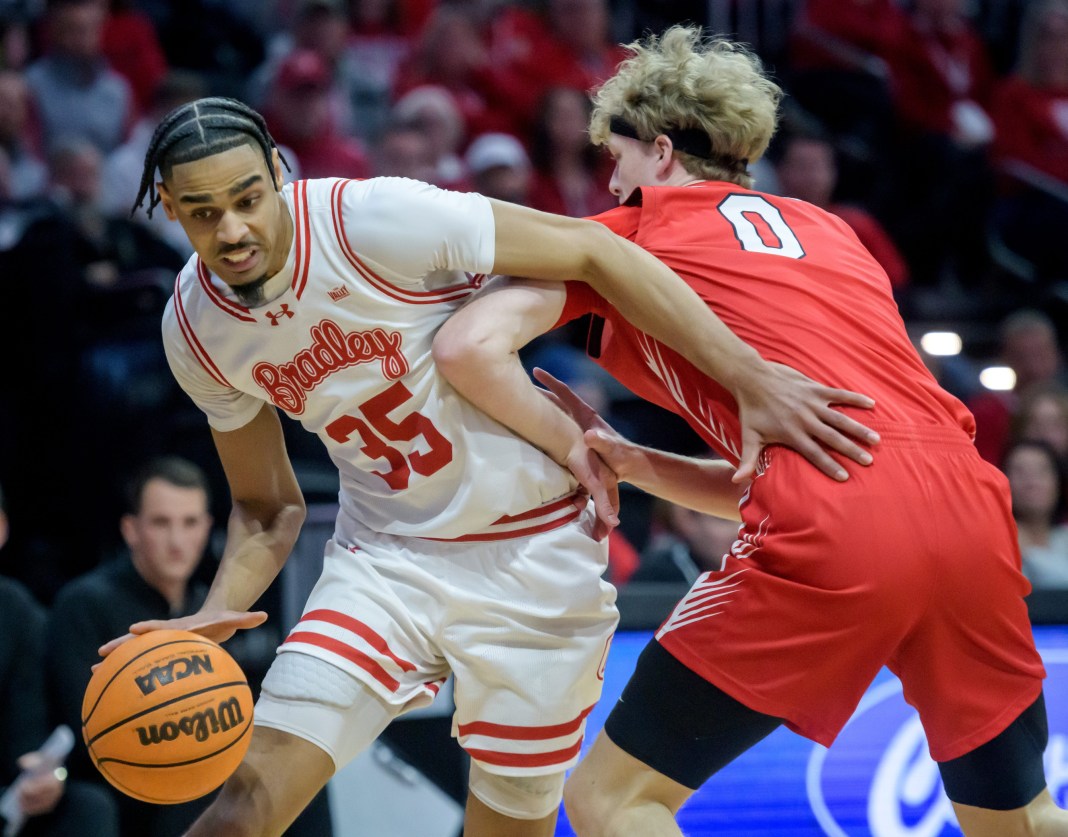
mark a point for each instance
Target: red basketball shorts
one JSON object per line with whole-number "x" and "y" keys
{"x": 912, "y": 563}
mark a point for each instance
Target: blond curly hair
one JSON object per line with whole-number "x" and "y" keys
{"x": 682, "y": 80}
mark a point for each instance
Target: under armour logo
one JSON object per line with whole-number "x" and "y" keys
{"x": 285, "y": 312}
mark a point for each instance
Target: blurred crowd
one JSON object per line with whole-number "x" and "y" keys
{"x": 937, "y": 129}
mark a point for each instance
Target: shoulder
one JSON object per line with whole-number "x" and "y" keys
{"x": 392, "y": 200}
{"x": 622, "y": 220}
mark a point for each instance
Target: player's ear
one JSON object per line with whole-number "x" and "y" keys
{"x": 665, "y": 154}
{"x": 166, "y": 201}
{"x": 279, "y": 172}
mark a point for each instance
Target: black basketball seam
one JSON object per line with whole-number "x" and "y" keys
{"x": 145, "y": 797}
{"x": 223, "y": 749}
{"x": 136, "y": 715}
{"x": 132, "y": 660}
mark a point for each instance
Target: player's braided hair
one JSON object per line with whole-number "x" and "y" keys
{"x": 196, "y": 130}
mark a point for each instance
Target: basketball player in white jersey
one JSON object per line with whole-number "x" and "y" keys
{"x": 459, "y": 548}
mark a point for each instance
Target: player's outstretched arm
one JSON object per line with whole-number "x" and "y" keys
{"x": 775, "y": 405}
{"x": 704, "y": 485}
{"x": 267, "y": 513}
{"x": 476, "y": 350}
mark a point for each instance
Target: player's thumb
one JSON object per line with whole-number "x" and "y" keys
{"x": 747, "y": 465}
{"x": 604, "y": 445}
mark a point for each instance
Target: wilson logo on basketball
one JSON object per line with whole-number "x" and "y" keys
{"x": 201, "y": 725}
{"x": 287, "y": 384}
{"x": 178, "y": 669}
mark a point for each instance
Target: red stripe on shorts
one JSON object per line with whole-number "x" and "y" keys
{"x": 345, "y": 621}
{"x": 526, "y": 759}
{"x": 518, "y": 733}
{"x": 349, "y": 653}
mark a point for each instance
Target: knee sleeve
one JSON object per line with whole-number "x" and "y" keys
{"x": 316, "y": 701}
{"x": 1007, "y": 771}
{"x": 518, "y": 797}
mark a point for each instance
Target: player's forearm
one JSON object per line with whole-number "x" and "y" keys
{"x": 700, "y": 484}
{"x": 253, "y": 557}
{"x": 487, "y": 372}
{"x": 649, "y": 294}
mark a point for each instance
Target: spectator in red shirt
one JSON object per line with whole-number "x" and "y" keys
{"x": 1030, "y": 110}
{"x": 942, "y": 79}
{"x": 299, "y": 117}
{"x": 838, "y": 71}
{"x": 133, "y": 49}
{"x": 557, "y": 43}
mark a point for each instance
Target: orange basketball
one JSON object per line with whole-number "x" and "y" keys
{"x": 167, "y": 716}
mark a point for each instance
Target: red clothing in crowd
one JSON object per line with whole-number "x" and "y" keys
{"x": 877, "y": 241}
{"x": 932, "y": 72}
{"x": 133, "y": 49}
{"x": 1032, "y": 125}
{"x": 531, "y": 60}
{"x": 871, "y": 26}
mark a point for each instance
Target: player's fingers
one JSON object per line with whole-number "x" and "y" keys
{"x": 841, "y": 443}
{"x": 747, "y": 465}
{"x": 814, "y": 453}
{"x": 572, "y": 402}
{"x": 848, "y": 426}
{"x": 108, "y": 647}
{"x": 847, "y": 398}
{"x": 138, "y": 628}
{"x": 250, "y": 619}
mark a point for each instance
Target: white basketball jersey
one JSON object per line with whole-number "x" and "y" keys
{"x": 377, "y": 266}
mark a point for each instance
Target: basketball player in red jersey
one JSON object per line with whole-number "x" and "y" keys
{"x": 911, "y": 564}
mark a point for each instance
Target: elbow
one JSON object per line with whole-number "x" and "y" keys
{"x": 599, "y": 247}
{"x": 458, "y": 353}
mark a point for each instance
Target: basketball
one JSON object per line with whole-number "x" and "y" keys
{"x": 167, "y": 717}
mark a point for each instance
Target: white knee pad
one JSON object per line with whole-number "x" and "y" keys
{"x": 317, "y": 701}
{"x": 518, "y": 797}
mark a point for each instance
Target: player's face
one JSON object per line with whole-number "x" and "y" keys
{"x": 637, "y": 164}
{"x": 229, "y": 206}
{"x": 168, "y": 536}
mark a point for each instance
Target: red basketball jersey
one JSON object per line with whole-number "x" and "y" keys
{"x": 788, "y": 278}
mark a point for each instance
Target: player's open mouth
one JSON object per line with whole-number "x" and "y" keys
{"x": 241, "y": 260}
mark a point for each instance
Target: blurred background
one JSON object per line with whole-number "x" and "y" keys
{"x": 937, "y": 129}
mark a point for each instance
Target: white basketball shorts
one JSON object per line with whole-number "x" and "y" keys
{"x": 523, "y": 624}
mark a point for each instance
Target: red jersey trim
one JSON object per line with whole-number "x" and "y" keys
{"x": 199, "y": 352}
{"x": 239, "y": 312}
{"x": 357, "y": 627}
{"x": 563, "y": 502}
{"x": 338, "y": 647}
{"x": 551, "y": 510}
{"x": 301, "y": 237}
{"x": 302, "y": 258}
{"x": 449, "y": 294}
{"x": 520, "y": 733}
{"x": 526, "y": 759}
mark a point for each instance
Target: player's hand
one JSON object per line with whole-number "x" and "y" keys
{"x": 597, "y": 479}
{"x": 788, "y": 408}
{"x": 40, "y": 786}
{"x": 617, "y": 452}
{"x": 217, "y": 626}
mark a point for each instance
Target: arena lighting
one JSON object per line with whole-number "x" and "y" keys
{"x": 941, "y": 343}
{"x": 1000, "y": 378}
